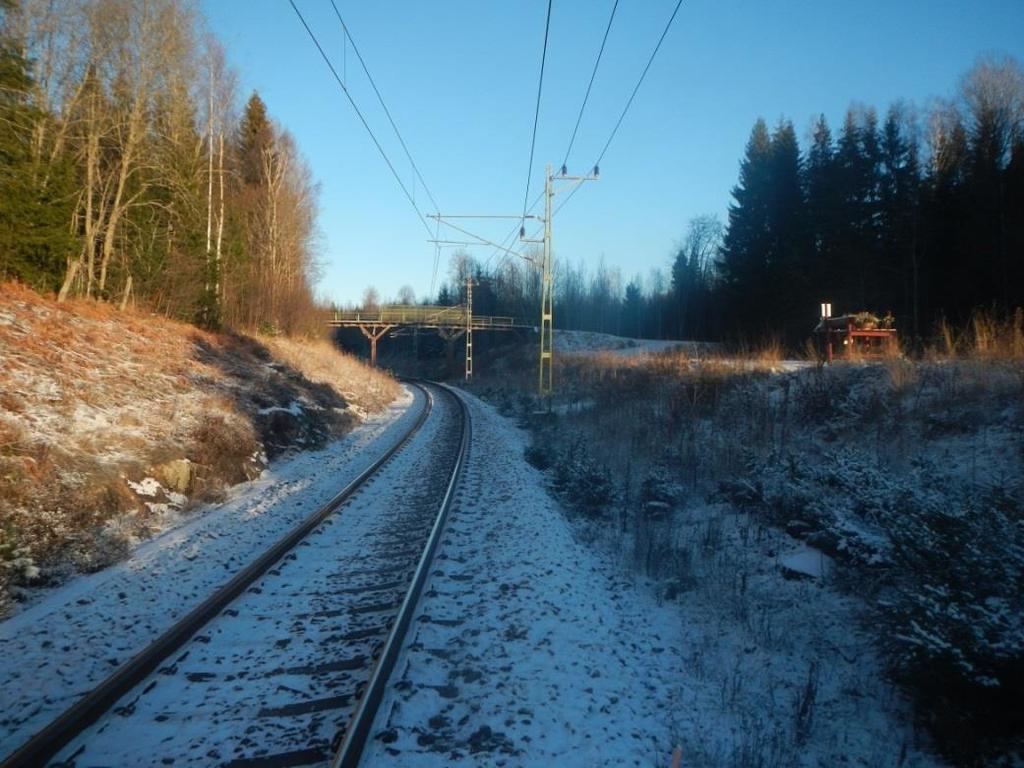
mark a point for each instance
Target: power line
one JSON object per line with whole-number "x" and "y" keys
{"x": 622, "y": 116}
{"x": 506, "y": 241}
{"x": 536, "y": 112}
{"x": 637, "y": 87}
{"x": 362, "y": 119}
{"x": 590, "y": 84}
{"x": 380, "y": 98}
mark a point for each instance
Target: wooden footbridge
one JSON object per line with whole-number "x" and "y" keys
{"x": 449, "y": 322}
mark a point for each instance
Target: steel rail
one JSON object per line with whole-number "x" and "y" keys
{"x": 45, "y": 744}
{"x": 357, "y": 732}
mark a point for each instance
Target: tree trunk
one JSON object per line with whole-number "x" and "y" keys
{"x": 220, "y": 226}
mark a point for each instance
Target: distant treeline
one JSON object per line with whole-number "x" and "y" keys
{"x": 920, "y": 214}
{"x": 125, "y": 170}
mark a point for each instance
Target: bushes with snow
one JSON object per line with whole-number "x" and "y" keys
{"x": 909, "y": 473}
{"x": 942, "y": 561}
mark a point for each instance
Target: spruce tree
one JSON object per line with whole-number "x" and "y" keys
{"x": 950, "y": 284}
{"x": 789, "y": 257}
{"x": 255, "y": 135}
{"x": 744, "y": 266}
{"x": 824, "y": 212}
{"x": 1014, "y": 235}
{"x": 632, "y": 309}
{"x": 35, "y": 198}
{"x": 899, "y": 200}
{"x": 856, "y": 251}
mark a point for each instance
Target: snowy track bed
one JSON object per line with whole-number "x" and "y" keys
{"x": 527, "y": 650}
{"x": 274, "y": 678}
{"x": 77, "y": 636}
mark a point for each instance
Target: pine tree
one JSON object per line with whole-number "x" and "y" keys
{"x": 789, "y": 257}
{"x": 255, "y": 137}
{"x": 950, "y": 282}
{"x": 743, "y": 265}
{"x": 857, "y": 252}
{"x": 632, "y": 309}
{"x": 824, "y": 212}
{"x": 993, "y": 94}
{"x": 35, "y": 200}
{"x": 899, "y": 195}
{"x": 1014, "y": 235}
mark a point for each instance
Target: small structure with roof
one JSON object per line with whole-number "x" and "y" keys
{"x": 856, "y": 334}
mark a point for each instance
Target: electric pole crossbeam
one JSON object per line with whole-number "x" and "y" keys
{"x": 547, "y": 306}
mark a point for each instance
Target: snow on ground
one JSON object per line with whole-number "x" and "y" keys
{"x": 536, "y": 645}
{"x": 277, "y": 673}
{"x": 583, "y": 342}
{"x": 77, "y": 635}
{"x": 526, "y": 650}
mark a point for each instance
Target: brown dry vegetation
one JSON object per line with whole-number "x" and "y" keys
{"x": 92, "y": 399}
{"x": 926, "y": 453}
{"x": 319, "y": 361}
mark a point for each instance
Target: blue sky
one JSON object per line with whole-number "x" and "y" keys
{"x": 460, "y": 79}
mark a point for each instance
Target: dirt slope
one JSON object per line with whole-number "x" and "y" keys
{"x": 112, "y": 423}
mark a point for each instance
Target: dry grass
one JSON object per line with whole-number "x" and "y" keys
{"x": 988, "y": 337}
{"x": 321, "y": 361}
{"x": 91, "y": 397}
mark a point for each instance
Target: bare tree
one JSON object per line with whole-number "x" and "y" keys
{"x": 406, "y": 295}
{"x": 371, "y": 298}
{"x": 138, "y": 50}
{"x": 993, "y": 95}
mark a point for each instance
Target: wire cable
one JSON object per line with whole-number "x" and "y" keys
{"x": 506, "y": 241}
{"x": 380, "y": 98}
{"x": 536, "y": 112}
{"x": 362, "y": 119}
{"x": 638, "y": 83}
{"x": 590, "y": 85}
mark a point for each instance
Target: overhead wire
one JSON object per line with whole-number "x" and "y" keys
{"x": 506, "y": 241}
{"x": 629, "y": 103}
{"x": 611, "y": 137}
{"x": 359, "y": 114}
{"x": 636, "y": 88}
{"x": 590, "y": 85}
{"x": 380, "y": 98}
{"x": 536, "y": 111}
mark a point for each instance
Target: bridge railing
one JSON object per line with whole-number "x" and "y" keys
{"x": 418, "y": 315}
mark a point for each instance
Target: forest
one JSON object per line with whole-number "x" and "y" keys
{"x": 919, "y": 214}
{"x": 127, "y": 174}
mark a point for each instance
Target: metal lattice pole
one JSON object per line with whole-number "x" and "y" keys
{"x": 547, "y": 298}
{"x": 469, "y": 327}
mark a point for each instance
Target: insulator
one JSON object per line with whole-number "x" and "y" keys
{"x": 564, "y": 169}
{"x": 597, "y": 171}
{"x": 522, "y": 232}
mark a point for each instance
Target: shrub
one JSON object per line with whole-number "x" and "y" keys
{"x": 584, "y": 484}
{"x": 542, "y": 457}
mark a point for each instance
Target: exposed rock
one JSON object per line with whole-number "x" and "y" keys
{"x": 798, "y": 529}
{"x": 657, "y": 510}
{"x": 178, "y": 475}
{"x": 740, "y": 493}
{"x": 807, "y": 563}
{"x": 826, "y": 541}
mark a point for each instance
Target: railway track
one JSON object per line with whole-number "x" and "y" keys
{"x": 286, "y": 664}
